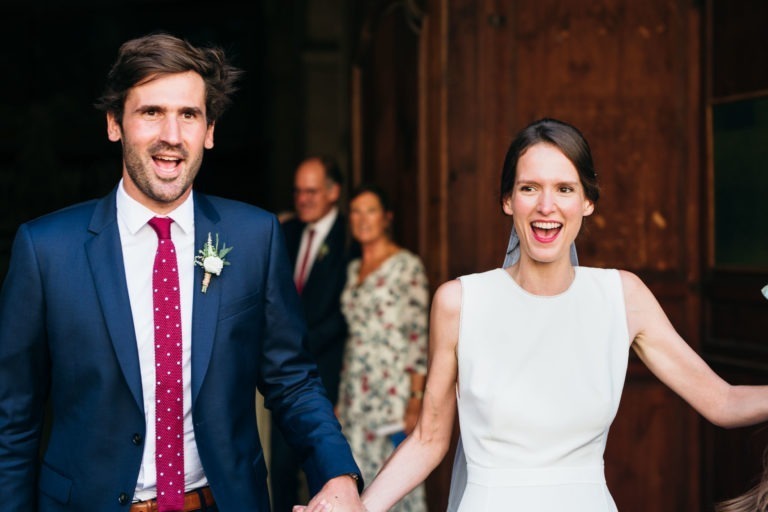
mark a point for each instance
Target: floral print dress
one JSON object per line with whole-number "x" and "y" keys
{"x": 387, "y": 319}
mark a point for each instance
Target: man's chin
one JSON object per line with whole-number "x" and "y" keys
{"x": 306, "y": 219}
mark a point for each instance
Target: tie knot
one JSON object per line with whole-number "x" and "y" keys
{"x": 162, "y": 226}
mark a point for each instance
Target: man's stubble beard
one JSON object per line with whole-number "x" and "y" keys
{"x": 142, "y": 175}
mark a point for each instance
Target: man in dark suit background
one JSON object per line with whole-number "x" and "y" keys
{"x": 317, "y": 244}
{"x": 105, "y": 310}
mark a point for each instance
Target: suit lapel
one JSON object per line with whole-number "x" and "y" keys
{"x": 205, "y": 306}
{"x": 318, "y": 273}
{"x": 105, "y": 257}
{"x": 293, "y": 231}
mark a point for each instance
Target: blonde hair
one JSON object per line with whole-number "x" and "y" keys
{"x": 754, "y": 500}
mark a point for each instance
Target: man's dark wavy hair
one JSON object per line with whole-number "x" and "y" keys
{"x": 145, "y": 58}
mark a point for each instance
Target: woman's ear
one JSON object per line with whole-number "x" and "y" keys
{"x": 506, "y": 205}
{"x": 589, "y": 207}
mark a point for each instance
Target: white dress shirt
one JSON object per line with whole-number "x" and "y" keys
{"x": 139, "y": 243}
{"x": 322, "y": 227}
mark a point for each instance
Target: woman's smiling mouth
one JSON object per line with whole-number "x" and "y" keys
{"x": 546, "y": 231}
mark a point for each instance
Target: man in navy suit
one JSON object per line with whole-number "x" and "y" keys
{"x": 318, "y": 248}
{"x": 79, "y": 323}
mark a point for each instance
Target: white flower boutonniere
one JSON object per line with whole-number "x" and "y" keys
{"x": 765, "y": 291}
{"x": 212, "y": 259}
{"x": 323, "y": 251}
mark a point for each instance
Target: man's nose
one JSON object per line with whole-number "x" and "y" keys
{"x": 171, "y": 130}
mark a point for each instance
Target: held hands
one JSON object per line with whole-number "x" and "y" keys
{"x": 337, "y": 495}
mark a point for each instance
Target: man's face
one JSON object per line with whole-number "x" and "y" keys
{"x": 313, "y": 194}
{"x": 164, "y": 133}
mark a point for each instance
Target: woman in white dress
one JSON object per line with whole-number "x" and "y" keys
{"x": 534, "y": 356}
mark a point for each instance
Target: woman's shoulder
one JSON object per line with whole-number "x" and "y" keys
{"x": 447, "y": 298}
{"x": 605, "y": 273}
{"x": 405, "y": 259}
{"x": 488, "y": 275}
{"x": 403, "y": 254}
{"x": 631, "y": 285}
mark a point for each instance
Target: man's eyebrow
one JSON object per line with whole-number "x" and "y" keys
{"x": 147, "y": 108}
{"x": 191, "y": 110}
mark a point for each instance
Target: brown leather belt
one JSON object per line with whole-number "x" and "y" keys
{"x": 193, "y": 500}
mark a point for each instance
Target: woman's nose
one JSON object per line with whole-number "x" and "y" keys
{"x": 546, "y": 204}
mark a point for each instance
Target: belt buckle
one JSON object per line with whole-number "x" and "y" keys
{"x": 144, "y": 506}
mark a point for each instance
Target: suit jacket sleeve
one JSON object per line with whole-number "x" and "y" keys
{"x": 289, "y": 382}
{"x": 24, "y": 375}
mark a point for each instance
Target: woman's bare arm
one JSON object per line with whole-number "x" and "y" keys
{"x": 675, "y": 363}
{"x": 425, "y": 447}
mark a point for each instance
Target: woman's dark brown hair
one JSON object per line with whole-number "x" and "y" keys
{"x": 565, "y": 137}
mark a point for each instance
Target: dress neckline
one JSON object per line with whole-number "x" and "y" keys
{"x": 516, "y": 285}
{"x": 384, "y": 263}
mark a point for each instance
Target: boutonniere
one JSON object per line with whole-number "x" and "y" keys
{"x": 211, "y": 258}
{"x": 765, "y": 291}
{"x": 322, "y": 251}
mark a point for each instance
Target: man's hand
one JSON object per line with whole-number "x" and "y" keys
{"x": 337, "y": 495}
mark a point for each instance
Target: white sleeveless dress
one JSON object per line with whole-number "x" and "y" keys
{"x": 540, "y": 379}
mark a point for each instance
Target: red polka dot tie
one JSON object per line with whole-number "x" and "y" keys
{"x": 169, "y": 410}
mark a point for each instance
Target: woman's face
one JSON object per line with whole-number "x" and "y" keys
{"x": 367, "y": 218}
{"x": 547, "y": 203}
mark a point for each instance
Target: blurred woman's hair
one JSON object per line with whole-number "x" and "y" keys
{"x": 371, "y": 188}
{"x": 754, "y": 500}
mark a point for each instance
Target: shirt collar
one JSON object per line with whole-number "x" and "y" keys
{"x": 136, "y": 215}
{"x": 325, "y": 223}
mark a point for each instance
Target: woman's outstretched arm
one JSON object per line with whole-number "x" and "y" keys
{"x": 675, "y": 363}
{"x": 425, "y": 447}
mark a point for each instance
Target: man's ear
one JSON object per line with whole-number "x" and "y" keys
{"x": 114, "y": 131}
{"x": 209, "y": 136}
{"x": 334, "y": 193}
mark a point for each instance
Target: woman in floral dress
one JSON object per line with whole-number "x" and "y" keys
{"x": 385, "y": 303}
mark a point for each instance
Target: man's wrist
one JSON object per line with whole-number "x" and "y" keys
{"x": 355, "y": 477}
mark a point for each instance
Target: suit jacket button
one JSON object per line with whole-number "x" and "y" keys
{"x": 123, "y": 498}
{"x": 136, "y": 439}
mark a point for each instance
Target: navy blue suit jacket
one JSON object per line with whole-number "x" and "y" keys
{"x": 66, "y": 334}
